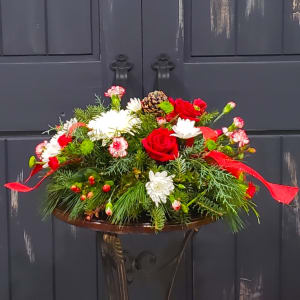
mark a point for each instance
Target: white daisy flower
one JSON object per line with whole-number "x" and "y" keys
{"x": 134, "y": 105}
{"x": 111, "y": 124}
{"x": 185, "y": 129}
{"x": 160, "y": 186}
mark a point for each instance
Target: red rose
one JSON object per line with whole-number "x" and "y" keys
{"x": 251, "y": 190}
{"x": 53, "y": 163}
{"x": 160, "y": 145}
{"x": 64, "y": 140}
{"x": 184, "y": 110}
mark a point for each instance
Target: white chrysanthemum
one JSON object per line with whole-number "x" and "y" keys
{"x": 134, "y": 105}
{"x": 69, "y": 124}
{"x": 185, "y": 129}
{"x": 112, "y": 124}
{"x": 52, "y": 148}
{"x": 160, "y": 186}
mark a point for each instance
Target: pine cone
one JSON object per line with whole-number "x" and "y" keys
{"x": 150, "y": 104}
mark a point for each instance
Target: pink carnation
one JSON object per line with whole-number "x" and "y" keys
{"x": 161, "y": 121}
{"x": 115, "y": 90}
{"x": 176, "y": 205}
{"x": 40, "y": 148}
{"x": 108, "y": 211}
{"x": 240, "y": 136}
{"x": 238, "y": 122}
{"x": 118, "y": 147}
{"x": 231, "y": 104}
{"x": 226, "y": 131}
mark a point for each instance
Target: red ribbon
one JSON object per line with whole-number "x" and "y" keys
{"x": 19, "y": 187}
{"x": 208, "y": 133}
{"x": 74, "y": 127}
{"x": 281, "y": 193}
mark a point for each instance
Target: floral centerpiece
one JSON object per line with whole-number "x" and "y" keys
{"x": 158, "y": 161}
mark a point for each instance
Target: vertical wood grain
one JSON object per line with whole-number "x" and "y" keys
{"x": 290, "y": 261}
{"x": 23, "y": 27}
{"x": 291, "y": 27}
{"x": 4, "y": 248}
{"x": 75, "y": 260}
{"x": 30, "y": 238}
{"x": 69, "y": 26}
{"x": 214, "y": 263}
{"x": 259, "y": 27}
{"x": 258, "y": 252}
{"x": 213, "y": 31}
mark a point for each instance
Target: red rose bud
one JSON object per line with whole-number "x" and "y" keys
{"x": 229, "y": 107}
{"x": 90, "y": 195}
{"x": 176, "y": 205}
{"x": 109, "y": 209}
{"x": 53, "y": 163}
{"x": 83, "y": 197}
{"x": 92, "y": 180}
{"x": 64, "y": 140}
{"x": 106, "y": 188}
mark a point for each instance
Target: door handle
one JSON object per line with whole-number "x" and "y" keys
{"x": 163, "y": 67}
{"x": 121, "y": 66}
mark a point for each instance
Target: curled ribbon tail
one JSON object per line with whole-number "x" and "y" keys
{"x": 281, "y": 193}
{"x": 19, "y": 187}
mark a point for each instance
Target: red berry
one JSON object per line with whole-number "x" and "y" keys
{"x": 90, "y": 195}
{"x": 92, "y": 180}
{"x": 74, "y": 188}
{"x": 106, "y": 188}
{"x": 83, "y": 197}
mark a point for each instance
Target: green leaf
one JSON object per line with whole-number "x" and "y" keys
{"x": 166, "y": 106}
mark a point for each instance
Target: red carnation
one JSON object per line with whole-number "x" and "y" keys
{"x": 160, "y": 145}
{"x": 64, "y": 140}
{"x": 200, "y": 105}
{"x": 186, "y": 110}
{"x": 53, "y": 163}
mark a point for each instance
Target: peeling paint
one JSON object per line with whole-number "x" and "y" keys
{"x": 220, "y": 17}
{"x": 294, "y": 208}
{"x": 14, "y": 197}
{"x": 228, "y": 294}
{"x": 73, "y": 231}
{"x": 28, "y": 247}
{"x": 251, "y": 289}
{"x": 180, "y": 31}
{"x": 255, "y": 6}
{"x": 296, "y": 11}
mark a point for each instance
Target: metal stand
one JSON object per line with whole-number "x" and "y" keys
{"x": 114, "y": 267}
{"x": 114, "y": 259}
